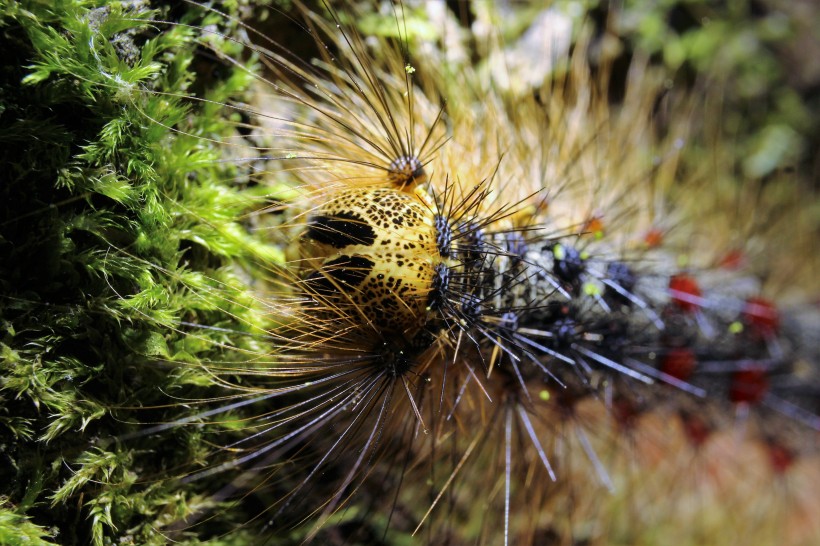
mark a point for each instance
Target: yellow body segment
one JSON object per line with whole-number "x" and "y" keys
{"x": 372, "y": 253}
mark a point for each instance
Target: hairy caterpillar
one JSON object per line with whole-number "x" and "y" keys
{"x": 526, "y": 365}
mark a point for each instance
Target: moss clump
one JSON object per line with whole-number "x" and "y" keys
{"x": 112, "y": 225}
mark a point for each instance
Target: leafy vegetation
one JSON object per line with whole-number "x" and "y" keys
{"x": 116, "y": 216}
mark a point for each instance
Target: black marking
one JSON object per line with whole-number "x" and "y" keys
{"x": 472, "y": 247}
{"x": 615, "y": 335}
{"x": 444, "y": 236}
{"x": 344, "y": 271}
{"x": 341, "y": 230}
{"x": 395, "y": 361}
{"x": 564, "y": 331}
{"x": 568, "y": 265}
{"x": 620, "y": 274}
{"x": 407, "y": 171}
{"x": 422, "y": 341}
{"x": 441, "y": 285}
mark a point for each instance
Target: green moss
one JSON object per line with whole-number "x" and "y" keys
{"x": 17, "y": 529}
{"x": 116, "y": 216}
{"x": 750, "y": 51}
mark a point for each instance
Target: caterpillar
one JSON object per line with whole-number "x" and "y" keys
{"x": 470, "y": 320}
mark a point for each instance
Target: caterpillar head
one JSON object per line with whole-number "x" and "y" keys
{"x": 372, "y": 253}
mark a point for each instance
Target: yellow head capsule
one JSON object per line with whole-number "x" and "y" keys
{"x": 371, "y": 253}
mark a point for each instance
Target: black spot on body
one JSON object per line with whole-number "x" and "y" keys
{"x": 563, "y": 332}
{"x": 472, "y": 246}
{"x": 341, "y": 230}
{"x": 568, "y": 265}
{"x": 440, "y": 288}
{"x": 396, "y": 362}
{"x": 444, "y": 235}
{"x": 621, "y": 275}
{"x": 344, "y": 271}
{"x": 615, "y": 336}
